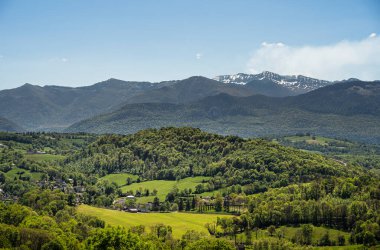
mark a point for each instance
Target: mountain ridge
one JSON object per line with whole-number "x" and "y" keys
{"x": 54, "y": 108}
{"x": 297, "y": 83}
{"x": 255, "y": 115}
{"x": 40, "y": 108}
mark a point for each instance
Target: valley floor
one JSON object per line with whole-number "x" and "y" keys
{"x": 180, "y": 222}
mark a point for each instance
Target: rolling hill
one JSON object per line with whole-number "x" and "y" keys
{"x": 177, "y": 153}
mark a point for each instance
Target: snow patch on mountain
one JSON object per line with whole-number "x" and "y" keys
{"x": 297, "y": 83}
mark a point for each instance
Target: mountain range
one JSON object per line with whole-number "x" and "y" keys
{"x": 346, "y": 110}
{"x": 54, "y": 107}
{"x": 295, "y": 84}
{"x": 242, "y": 104}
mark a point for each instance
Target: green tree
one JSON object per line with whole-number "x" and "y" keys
{"x": 53, "y": 245}
{"x": 341, "y": 240}
{"x": 271, "y": 230}
{"x": 156, "y": 204}
{"x": 325, "y": 239}
{"x": 180, "y": 205}
{"x": 218, "y": 202}
{"x": 211, "y": 228}
{"x": 210, "y": 244}
{"x": 113, "y": 238}
{"x": 188, "y": 206}
{"x": 369, "y": 239}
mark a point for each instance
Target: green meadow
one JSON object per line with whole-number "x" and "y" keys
{"x": 119, "y": 179}
{"x": 180, "y": 222}
{"x": 14, "y": 172}
{"x": 163, "y": 187}
{"x": 44, "y": 157}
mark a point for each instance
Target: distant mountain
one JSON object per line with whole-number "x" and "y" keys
{"x": 353, "y": 97}
{"x": 9, "y": 126}
{"x": 296, "y": 84}
{"x": 348, "y": 110}
{"x": 189, "y": 90}
{"x": 54, "y": 107}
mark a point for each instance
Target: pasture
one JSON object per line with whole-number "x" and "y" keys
{"x": 44, "y": 157}
{"x": 180, "y": 222}
{"x": 119, "y": 179}
{"x": 16, "y": 172}
{"x": 163, "y": 187}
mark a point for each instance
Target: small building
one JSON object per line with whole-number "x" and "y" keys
{"x": 133, "y": 210}
{"x": 130, "y": 197}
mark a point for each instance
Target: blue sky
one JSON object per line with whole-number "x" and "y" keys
{"x": 80, "y": 42}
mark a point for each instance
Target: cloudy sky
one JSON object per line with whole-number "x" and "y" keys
{"x": 80, "y": 42}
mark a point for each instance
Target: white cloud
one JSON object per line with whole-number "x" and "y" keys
{"x": 372, "y": 35}
{"x": 346, "y": 59}
{"x": 198, "y": 56}
{"x": 64, "y": 60}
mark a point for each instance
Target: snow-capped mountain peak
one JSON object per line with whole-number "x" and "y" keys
{"x": 297, "y": 83}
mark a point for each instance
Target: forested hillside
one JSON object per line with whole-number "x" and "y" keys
{"x": 176, "y": 153}
{"x": 263, "y": 194}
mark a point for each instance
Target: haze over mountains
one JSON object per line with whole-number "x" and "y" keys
{"x": 347, "y": 110}
{"x": 9, "y": 126}
{"x": 242, "y": 104}
{"x": 54, "y": 107}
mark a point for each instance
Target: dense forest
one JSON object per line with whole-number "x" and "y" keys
{"x": 268, "y": 188}
{"x": 173, "y": 153}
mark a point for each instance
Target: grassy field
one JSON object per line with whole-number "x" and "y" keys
{"x": 119, "y": 179}
{"x": 13, "y": 173}
{"x": 44, "y": 157}
{"x": 318, "y": 232}
{"x": 180, "y": 222}
{"x": 163, "y": 187}
{"x": 323, "y": 141}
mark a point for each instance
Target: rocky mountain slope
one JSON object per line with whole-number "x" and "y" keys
{"x": 297, "y": 84}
